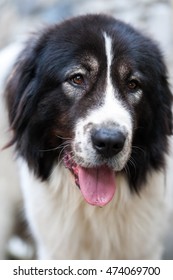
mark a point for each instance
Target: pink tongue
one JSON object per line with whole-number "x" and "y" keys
{"x": 97, "y": 184}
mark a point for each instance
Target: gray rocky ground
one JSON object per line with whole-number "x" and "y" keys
{"x": 18, "y": 17}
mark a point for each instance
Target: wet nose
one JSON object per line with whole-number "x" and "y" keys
{"x": 108, "y": 142}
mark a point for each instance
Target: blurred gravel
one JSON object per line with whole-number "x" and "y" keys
{"x": 154, "y": 17}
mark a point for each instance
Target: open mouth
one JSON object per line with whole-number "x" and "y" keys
{"x": 97, "y": 184}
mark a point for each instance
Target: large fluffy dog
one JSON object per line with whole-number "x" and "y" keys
{"x": 90, "y": 110}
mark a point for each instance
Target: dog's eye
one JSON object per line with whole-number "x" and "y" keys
{"x": 133, "y": 84}
{"x": 77, "y": 79}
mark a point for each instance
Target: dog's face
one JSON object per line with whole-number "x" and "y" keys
{"x": 91, "y": 93}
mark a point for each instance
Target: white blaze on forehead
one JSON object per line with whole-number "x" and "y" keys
{"x": 108, "y": 49}
{"x": 110, "y": 113}
{"x": 113, "y": 110}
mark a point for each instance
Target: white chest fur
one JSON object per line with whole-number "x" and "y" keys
{"x": 66, "y": 227}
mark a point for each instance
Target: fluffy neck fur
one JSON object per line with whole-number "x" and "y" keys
{"x": 64, "y": 222}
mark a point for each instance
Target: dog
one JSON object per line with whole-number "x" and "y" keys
{"x": 89, "y": 108}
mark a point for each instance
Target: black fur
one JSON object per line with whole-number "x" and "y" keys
{"x": 41, "y": 115}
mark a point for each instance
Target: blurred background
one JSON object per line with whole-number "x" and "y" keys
{"x": 20, "y": 17}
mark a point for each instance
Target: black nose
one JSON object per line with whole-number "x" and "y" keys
{"x": 108, "y": 142}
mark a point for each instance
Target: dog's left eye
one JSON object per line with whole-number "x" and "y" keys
{"x": 133, "y": 84}
{"x": 77, "y": 79}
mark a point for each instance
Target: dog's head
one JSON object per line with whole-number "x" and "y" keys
{"x": 92, "y": 94}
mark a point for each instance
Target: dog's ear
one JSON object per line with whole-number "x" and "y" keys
{"x": 166, "y": 106}
{"x": 20, "y": 87}
{"x": 22, "y": 95}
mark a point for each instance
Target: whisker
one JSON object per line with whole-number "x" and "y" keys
{"x": 63, "y": 138}
{"x": 139, "y": 148}
{"x": 132, "y": 163}
{"x": 62, "y": 150}
{"x": 127, "y": 171}
{"x": 62, "y": 145}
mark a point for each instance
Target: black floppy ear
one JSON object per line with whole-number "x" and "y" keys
{"x": 167, "y": 100}
{"x": 20, "y": 87}
{"x": 22, "y": 94}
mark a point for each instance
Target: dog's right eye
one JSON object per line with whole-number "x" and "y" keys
{"x": 77, "y": 80}
{"x": 133, "y": 84}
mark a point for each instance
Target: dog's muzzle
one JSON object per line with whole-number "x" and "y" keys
{"x": 99, "y": 152}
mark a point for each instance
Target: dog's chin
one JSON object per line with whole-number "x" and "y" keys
{"x": 96, "y": 182}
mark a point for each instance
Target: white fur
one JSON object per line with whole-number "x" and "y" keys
{"x": 66, "y": 227}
